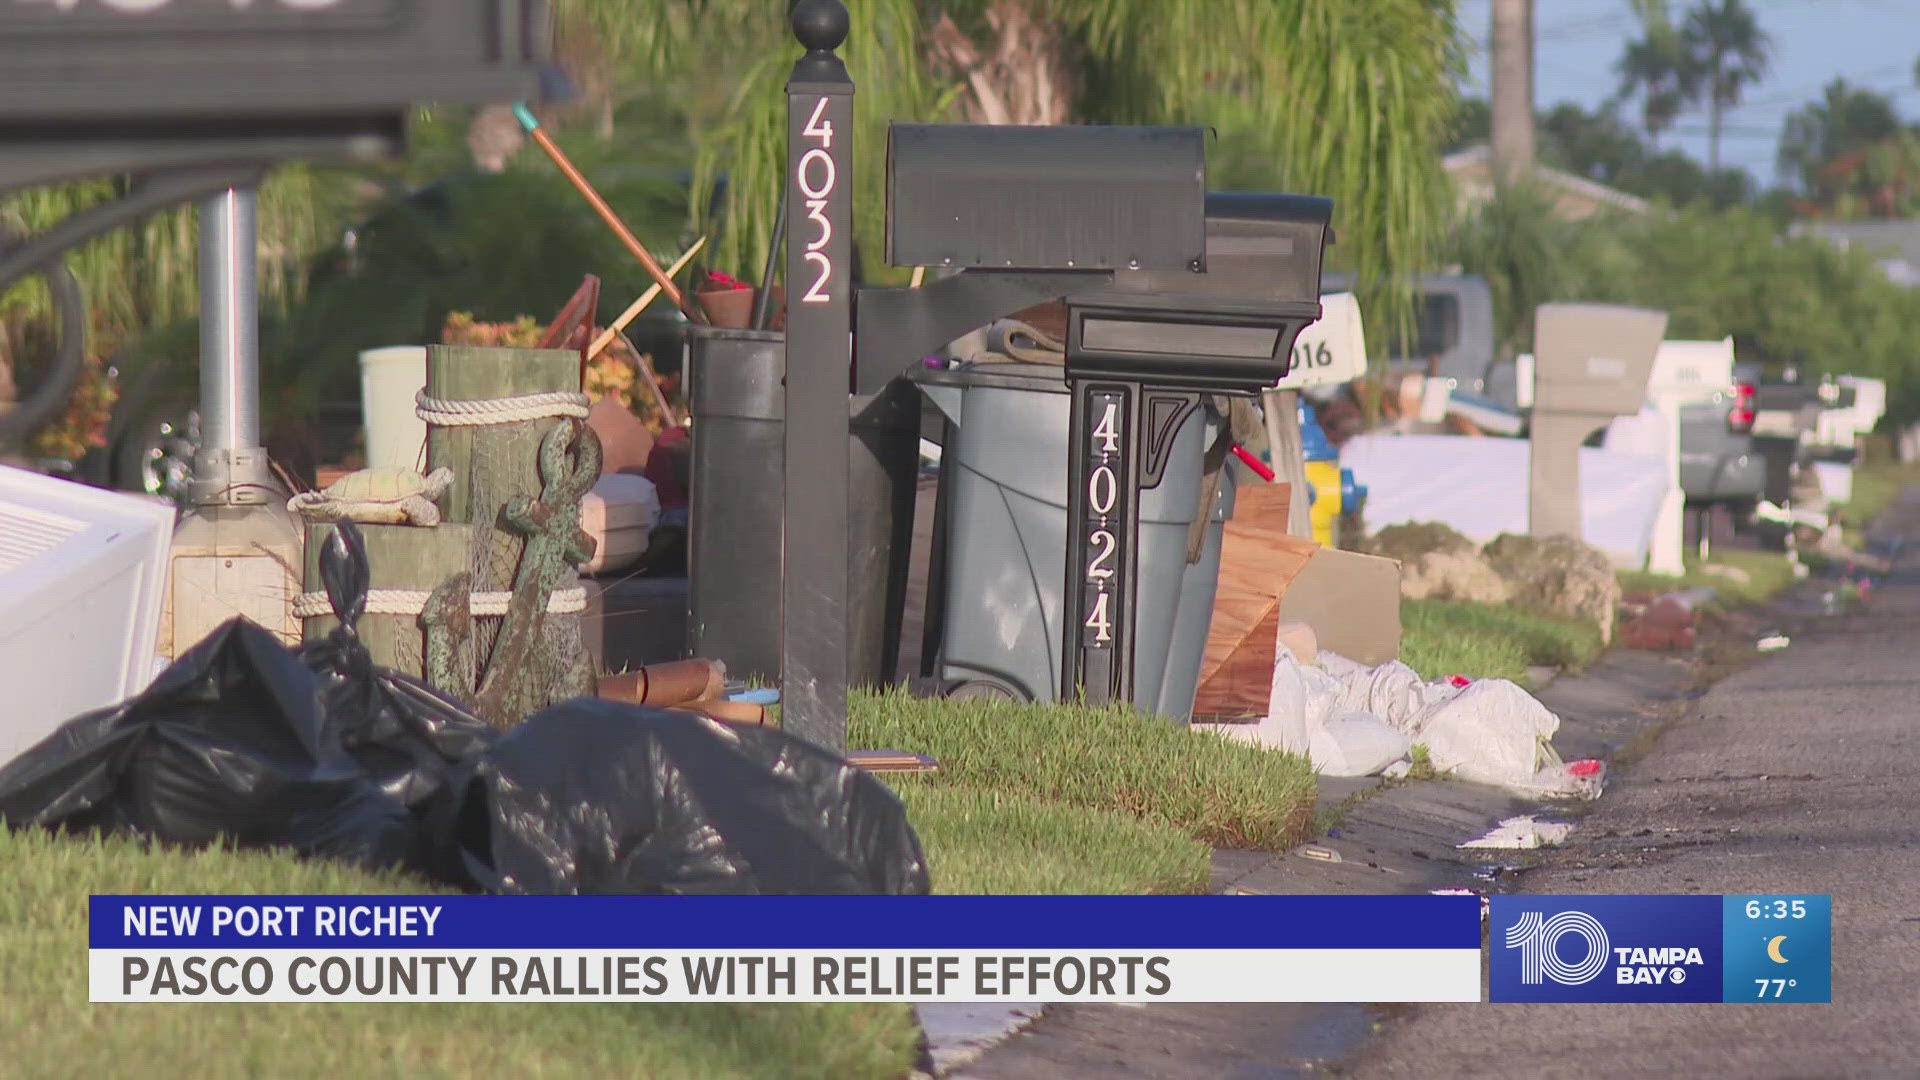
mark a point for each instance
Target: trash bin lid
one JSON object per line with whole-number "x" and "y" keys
{"x": 1035, "y": 378}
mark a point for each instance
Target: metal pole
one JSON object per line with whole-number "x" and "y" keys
{"x": 819, "y": 368}
{"x": 230, "y": 468}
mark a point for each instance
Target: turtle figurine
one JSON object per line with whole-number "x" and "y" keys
{"x": 377, "y": 497}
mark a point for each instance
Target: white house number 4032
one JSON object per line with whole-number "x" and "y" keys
{"x": 816, "y": 179}
{"x": 1103, "y": 498}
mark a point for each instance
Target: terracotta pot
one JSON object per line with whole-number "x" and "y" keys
{"x": 730, "y": 308}
{"x": 777, "y": 311}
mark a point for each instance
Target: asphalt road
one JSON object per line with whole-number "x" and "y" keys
{"x": 1800, "y": 774}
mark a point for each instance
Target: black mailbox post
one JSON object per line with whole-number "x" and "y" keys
{"x": 1140, "y": 355}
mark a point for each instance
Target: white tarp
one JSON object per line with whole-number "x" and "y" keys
{"x": 1479, "y": 487}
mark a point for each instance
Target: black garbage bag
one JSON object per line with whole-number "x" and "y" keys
{"x": 594, "y": 796}
{"x": 228, "y": 742}
{"x": 409, "y": 736}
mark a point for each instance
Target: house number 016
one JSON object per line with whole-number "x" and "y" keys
{"x": 1103, "y": 498}
{"x": 816, "y": 178}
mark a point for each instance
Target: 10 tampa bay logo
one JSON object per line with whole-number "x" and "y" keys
{"x": 1605, "y": 948}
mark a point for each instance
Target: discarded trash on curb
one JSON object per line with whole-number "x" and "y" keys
{"x": 1522, "y": 833}
{"x": 1486, "y": 906}
{"x": 1318, "y": 853}
{"x": 1773, "y": 643}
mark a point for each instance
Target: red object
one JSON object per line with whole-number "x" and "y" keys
{"x": 1740, "y": 417}
{"x": 1654, "y": 632}
{"x": 1584, "y": 767}
{"x": 1459, "y": 681}
{"x": 1259, "y": 467}
{"x": 667, "y": 467}
{"x": 726, "y": 281}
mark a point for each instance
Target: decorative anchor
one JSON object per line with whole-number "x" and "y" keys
{"x": 520, "y": 679}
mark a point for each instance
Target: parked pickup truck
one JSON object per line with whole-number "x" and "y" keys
{"x": 1454, "y": 339}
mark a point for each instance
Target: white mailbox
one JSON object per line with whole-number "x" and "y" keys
{"x": 1330, "y": 351}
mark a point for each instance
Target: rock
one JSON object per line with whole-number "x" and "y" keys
{"x": 1416, "y": 538}
{"x": 1437, "y": 563}
{"x": 1444, "y": 575}
{"x": 1556, "y": 575}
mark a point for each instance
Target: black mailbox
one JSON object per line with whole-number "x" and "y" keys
{"x": 1011, "y": 197}
{"x": 1141, "y": 352}
{"x": 1230, "y": 329}
{"x": 90, "y": 87}
{"x": 229, "y": 59}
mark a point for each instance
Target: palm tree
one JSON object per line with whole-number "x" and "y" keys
{"x": 1347, "y": 100}
{"x": 1511, "y": 69}
{"x": 1823, "y": 143}
{"x": 1730, "y": 52}
{"x": 1658, "y": 69}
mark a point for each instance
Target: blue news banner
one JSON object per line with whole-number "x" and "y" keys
{"x": 737, "y": 948}
{"x": 961, "y": 948}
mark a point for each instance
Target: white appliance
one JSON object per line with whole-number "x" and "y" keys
{"x": 81, "y": 576}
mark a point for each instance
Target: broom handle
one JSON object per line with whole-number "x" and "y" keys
{"x": 633, "y": 310}
{"x": 606, "y": 213}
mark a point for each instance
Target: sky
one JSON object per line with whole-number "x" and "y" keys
{"x": 1871, "y": 43}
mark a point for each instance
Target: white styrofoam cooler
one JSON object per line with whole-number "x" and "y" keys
{"x": 81, "y": 581}
{"x": 619, "y": 513}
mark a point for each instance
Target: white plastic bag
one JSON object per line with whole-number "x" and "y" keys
{"x": 1492, "y": 731}
{"x": 1302, "y": 699}
{"x": 1356, "y": 744}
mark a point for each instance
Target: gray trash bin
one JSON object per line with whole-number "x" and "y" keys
{"x": 1003, "y": 475}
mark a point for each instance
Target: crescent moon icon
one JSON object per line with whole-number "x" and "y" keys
{"x": 1773, "y": 949}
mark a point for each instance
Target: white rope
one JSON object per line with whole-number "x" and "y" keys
{"x": 413, "y": 601}
{"x": 500, "y": 410}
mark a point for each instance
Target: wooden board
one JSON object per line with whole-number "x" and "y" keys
{"x": 1258, "y": 560}
{"x": 893, "y": 761}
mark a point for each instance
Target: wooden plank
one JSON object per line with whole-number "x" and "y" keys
{"x": 1258, "y": 560}
{"x": 892, "y": 761}
{"x": 491, "y": 465}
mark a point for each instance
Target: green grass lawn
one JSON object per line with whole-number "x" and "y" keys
{"x": 1113, "y": 760}
{"x": 1767, "y": 573}
{"x": 1439, "y": 638}
{"x": 50, "y": 1030}
{"x": 985, "y": 842}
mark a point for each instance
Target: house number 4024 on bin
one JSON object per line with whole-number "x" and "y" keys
{"x": 1105, "y": 455}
